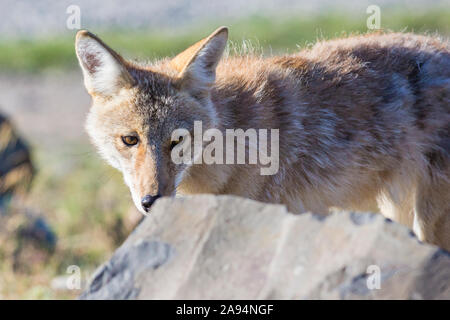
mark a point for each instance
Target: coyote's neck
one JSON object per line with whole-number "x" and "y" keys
{"x": 264, "y": 102}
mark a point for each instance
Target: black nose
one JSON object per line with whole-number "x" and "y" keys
{"x": 148, "y": 200}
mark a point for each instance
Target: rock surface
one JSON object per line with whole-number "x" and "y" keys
{"x": 208, "y": 247}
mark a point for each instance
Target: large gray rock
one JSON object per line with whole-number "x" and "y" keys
{"x": 208, "y": 247}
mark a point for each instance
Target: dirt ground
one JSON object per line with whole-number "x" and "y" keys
{"x": 48, "y": 109}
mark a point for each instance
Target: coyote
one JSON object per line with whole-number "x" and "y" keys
{"x": 364, "y": 123}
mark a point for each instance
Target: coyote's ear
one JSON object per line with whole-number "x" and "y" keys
{"x": 103, "y": 69}
{"x": 197, "y": 64}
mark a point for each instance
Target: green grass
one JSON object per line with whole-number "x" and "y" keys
{"x": 88, "y": 207}
{"x": 278, "y": 35}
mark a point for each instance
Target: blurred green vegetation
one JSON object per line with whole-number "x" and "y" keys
{"x": 276, "y": 34}
{"x": 88, "y": 207}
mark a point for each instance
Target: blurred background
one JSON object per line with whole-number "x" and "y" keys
{"x": 60, "y": 205}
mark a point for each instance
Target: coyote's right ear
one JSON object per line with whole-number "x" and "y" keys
{"x": 104, "y": 70}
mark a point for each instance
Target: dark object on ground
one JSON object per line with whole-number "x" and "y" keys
{"x": 16, "y": 169}
{"x": 35, "y": 243}
{"x": 40, "y": 232}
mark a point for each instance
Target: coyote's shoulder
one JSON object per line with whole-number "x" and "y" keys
{"x": 364, "y": 123}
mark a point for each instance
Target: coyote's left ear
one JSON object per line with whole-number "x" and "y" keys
{"x": 197, "y": 64}
{"x": 104, "y": 70}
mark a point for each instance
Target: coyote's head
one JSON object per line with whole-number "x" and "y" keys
{"x": 136, "y": 108}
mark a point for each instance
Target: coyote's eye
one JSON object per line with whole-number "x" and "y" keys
{"x": 130, "y": 140}
{"x": 173, "y": 143}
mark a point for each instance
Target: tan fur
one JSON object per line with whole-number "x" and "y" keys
{"x": 364, "y": 125}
